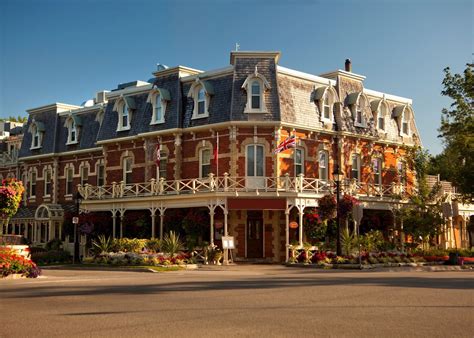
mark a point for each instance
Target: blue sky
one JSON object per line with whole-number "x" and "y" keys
{"x": 65, "y": 51}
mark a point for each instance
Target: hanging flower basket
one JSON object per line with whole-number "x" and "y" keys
{"x": 11, "y": 191}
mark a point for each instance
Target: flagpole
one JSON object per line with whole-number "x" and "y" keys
{"x": 217, "y": 155}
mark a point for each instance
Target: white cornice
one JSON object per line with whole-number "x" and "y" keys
{"x": 209, "y": 74}
{"x": 65, "y": 153}
{"x": 83, "y": 110}
{"x": 339, "y": 72}
{"x": 59, "y": 107}
{"x": 129, "y": 90}
{"x": 387, "y": 97}
{"x": 306, "y": 76}
{"x": 181, "y": 70}
{"x": 254, "y": 54}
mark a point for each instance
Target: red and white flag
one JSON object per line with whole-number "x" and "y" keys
{"x": 290, "y": 142}
{"x": 157, "y": 154}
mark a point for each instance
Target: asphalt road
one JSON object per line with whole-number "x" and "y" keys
{"x": 264, "y": 301}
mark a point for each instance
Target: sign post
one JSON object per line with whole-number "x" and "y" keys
{"x": 228, "y": 244}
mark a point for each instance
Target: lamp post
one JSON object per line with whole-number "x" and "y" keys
{"x": 75, "y": 220}
{"x": 337, "y": 176}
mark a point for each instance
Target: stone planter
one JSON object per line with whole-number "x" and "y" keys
{"x": 14, "y": 276}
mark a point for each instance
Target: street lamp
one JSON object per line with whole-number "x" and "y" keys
{"x": 337, "y": 176}
{"x": 75, "y": 220}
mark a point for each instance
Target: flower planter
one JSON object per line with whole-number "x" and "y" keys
{"x": 436, "y": 258}
{"x": 14, "y": 276}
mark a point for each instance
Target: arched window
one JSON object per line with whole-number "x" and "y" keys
{"x": 204, "y": 162}
{"x": 360, "y": 111}
{"x": 255, "y": 85}
{"x": 255, "y": 160}
{"x": 256, "y": 95}
{"x": 355, "y": 167}
{"x": 124, "y": 118}
{"x": 69, "y": 180}
{"x": 37, "y": 130}
{"x": 157, "y": 109}
{"x": 323, "y": 165}
{"x": 299, "y": 161}
{"x": 405, "y": 120}
{"x": 382, "y": 112}
{"x": 36, "y": 137}
{"x": 201, "y": 101}
{"x": 47, "y": 182}
{"x": 72, "y": 132}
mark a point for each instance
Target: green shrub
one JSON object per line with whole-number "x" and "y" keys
{"x": 54, "y": 245}
{"x": 102, "y": 245}
{"x": 171, "y": 244}
{"x": 128, "y": 245}
{"x": 51, "y": 257}
{"x": 153, "y": 245}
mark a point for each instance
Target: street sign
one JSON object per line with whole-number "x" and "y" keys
{"x": 75, "y": 220}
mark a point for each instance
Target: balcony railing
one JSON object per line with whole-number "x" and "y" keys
{"x": 235, "y": 185}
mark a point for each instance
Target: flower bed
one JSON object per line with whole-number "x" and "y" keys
{"x": 12, "y": 264}
{"x": 130, "y": 258}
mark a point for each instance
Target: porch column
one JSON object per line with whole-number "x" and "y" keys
{"x": 153, "y": 218}
{"x": 287, "y": 233}
{"x": 211, "y": 214}
{"x": 50, "y": 232}
{"x": 162, "y": 219}
{"x": 226, "y": 230}
{"x": 402, "y": 235}
{"x": 114, "y": 222}
{"x": 25, "y": 231}
{"x": 121, "y": 224}
{"x": 300, "y": 214}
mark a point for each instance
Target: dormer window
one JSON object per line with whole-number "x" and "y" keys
{"x": 403, "y": 115}
{"x": 72, "y": 132}
{"x": 256, "y": 95}
{"x": 255, "y": 86}
{"x": 124, "y": 106}
{"x": 158, "y": 98}
{"x": 201, "y": 102}
{"x": 325, "y": 98}
{"x": 357, "y": 103}
{"x": 125, "y": 117}
{"x": 201, "y": 92}
{"x": 382, "y": 112}
{"x": 37, "y": 130}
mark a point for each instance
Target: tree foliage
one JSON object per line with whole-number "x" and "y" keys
{"x": 456, "y": 162}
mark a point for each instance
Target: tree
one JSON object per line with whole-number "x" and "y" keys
{"x": 422, "y": 218}
{"x": 456, "y": 162}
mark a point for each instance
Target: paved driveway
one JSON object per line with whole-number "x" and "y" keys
{"x": 251, "y": 300}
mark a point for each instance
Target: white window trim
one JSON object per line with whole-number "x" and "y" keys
{"x": 163, "y": 158}
{"x": 34, "y": 130}
{"x": 201, "y": 151}
{"x": 356, "y": 108}
{"x": 119, "y": 107}
{"x": 255, "y": 145}
{"x": 380, "y": 160}
{"x": 331, "y": 106}
{"x": 302, "y": 160}
{"x": 67, "y": 169}
{"x": 124, "y": 171}
{"x": 380, "y": 114}
{"x": 97, "y": 165}
{"x": 194, "y": 93}
{"x": 35, "y": 172}
{"x": 359, "y": 160}
{"x": 45, "y": 176}
{"x": 264, "y": 86}
{"x": 404, "y": 119}
{"x": 152, "y": 99}
{"x": 70, "y": 123}
{"x": 326, "y": 169}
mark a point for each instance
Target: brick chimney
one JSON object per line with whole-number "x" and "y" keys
{"x": 348, "y": 65}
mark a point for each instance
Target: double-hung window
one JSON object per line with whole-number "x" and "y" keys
{"x": 125, "y": 118}
{"x": 377, "y": 171}
{"x": 205, "y": 162}
{"x": 163, "y": 165}
{"x": 69, "y": 180}
{"x": 47, "y": 182}
{"x": 33, "y": 184}
{"x": 127, "y": 170}
{"x": 84, "y": 175}
{"x": 100, "y": 175}
{"x": 158, "y": 113}
{"x": 201, "y": 102}
{"x": 299, "y": 161}
{"x": 355, "y": 169}
{"x": 323, "y": 165}
{"x": 256, "y": 95}
{"x": 255, "y": 160}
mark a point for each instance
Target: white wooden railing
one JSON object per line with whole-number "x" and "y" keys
{"x": 229, "y": 184}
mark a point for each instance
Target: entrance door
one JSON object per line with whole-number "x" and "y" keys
{"x": 254, "y": 234}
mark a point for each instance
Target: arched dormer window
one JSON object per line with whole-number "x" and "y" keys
{"x": 380, "y": 110}
{"x": 357, "y": 103}
{"x": 325, "y": 97}
{"x": 37, "y": 130}
{"x": 158, "y": 98}
{"x": 255, "y": 85}
{"x": 201, "y": 92}
{"x": 73, "y": 123}
{"x": 124, "y": 107}
{"x": 403, "y": 114}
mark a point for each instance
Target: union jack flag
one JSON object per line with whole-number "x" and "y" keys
{"x": 290, "y": 142}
